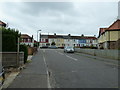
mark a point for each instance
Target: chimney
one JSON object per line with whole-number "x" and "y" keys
{"x": 69, "y": 35}
{"x": 54, "y": 34}
{"x": 82, "y": 35}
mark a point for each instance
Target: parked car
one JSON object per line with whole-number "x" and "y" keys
{"x": 53, "y": 47}
{"x": 69, "y": 49}
{"x": 44, "y": 47}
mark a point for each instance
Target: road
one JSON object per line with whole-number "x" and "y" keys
{"x": 75, "y": 70}
{"x": 68, "y": 70}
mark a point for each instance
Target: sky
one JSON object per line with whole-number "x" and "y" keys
{"x": 73, "y": 18}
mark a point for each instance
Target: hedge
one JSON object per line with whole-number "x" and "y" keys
{"x": 9, "y": 39}
{"x": 25, "y": 50}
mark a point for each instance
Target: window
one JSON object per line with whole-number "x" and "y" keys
{"x": 26, "y": 40}
{"x": 46, "y": 40}
{"x": 42, "y": 40}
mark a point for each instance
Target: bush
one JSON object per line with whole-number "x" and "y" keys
{"x": 25, "y": 50}
{"x": 9, "y": 39}
{"x": 77, "y": 46}
{"x": 8, "y": 43}
{"x": 53, "y": 43}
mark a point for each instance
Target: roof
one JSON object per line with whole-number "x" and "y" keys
{"x": 90, "y": 37}
{"x": 55, "y": 36}
{"x": 2, "y": 23}
{"x": 71, "y": 37}
{"x": 115, "y": 26}
{"x": 25, "y": 36}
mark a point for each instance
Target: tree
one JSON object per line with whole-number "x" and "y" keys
{"x": 53, "y": 43}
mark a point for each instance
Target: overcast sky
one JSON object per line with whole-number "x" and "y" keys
{"x": 73, "y": 18}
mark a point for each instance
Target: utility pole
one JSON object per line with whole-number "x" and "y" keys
{"x": 18, "y": 46}
{"x": 37, "y": 38}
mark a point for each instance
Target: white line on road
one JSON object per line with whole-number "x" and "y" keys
{"x": 60, "y": 53}
{"x": 56, "y": 51}
{"x": 48, "y": 79}
{"x": 72, "y": 58}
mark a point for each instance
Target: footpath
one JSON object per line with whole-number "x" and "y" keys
{"x": 34, "y": 75}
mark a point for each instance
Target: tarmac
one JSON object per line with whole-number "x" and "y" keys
{"x": 20, "y": 78}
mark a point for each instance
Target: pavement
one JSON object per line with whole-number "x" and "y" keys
{"x": 52, "y": 68}
{"x": 10, "y": 77}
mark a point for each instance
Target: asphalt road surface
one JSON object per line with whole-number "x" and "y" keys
{"x": 77, "y": 70}
{"x": 68, "y": 70}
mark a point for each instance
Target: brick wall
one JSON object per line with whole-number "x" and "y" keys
{"x": 31, "y": 50}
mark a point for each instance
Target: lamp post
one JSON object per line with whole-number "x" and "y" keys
{"x": 37, "y": 38}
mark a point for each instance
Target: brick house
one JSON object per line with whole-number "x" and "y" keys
{"x": 27, "y": 40}
{"x": 109, "y": 37}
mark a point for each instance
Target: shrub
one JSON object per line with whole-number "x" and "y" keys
{"x": 53, "y": 43}
{"x": 9, "y": 39}
{"x": 25, "y": 50}
{"x": 8, "y": 43}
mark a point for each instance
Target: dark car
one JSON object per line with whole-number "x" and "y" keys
{"x": 53, "y": 47}
{"x": 44, "y": 47}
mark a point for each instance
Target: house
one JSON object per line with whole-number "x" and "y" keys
{"x": 67, "y": 40}
{"x": 47, "y": 40}
{"x": 27, "y": 40}
{"x": 87, "y": 41}
{"x": 109, "y": 37}
{"x": 71, "y": 41}
{"x": 58, "y": 39}
{"x": 2, "y": 24}
{"x": 44, "y": 40}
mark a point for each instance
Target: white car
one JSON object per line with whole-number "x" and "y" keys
{"x": 69, "y": 49}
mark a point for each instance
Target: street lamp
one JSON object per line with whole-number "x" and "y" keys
{"x": 37, "y": 37}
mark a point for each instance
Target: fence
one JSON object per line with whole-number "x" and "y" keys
{"x": 12, "y": 59}
{"x": 112, "y": 54}
{"x": 31, "y": 50}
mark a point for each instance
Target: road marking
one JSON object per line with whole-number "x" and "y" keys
{"x": 60, "y": 53}
{"x": 56, "y": 51}
{"x": 72, "y": 58}
{"x": 48, "y": 79}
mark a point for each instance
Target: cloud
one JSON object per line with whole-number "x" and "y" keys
{"x": 59, "y": 17}
{"x": 36, "y": 8}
